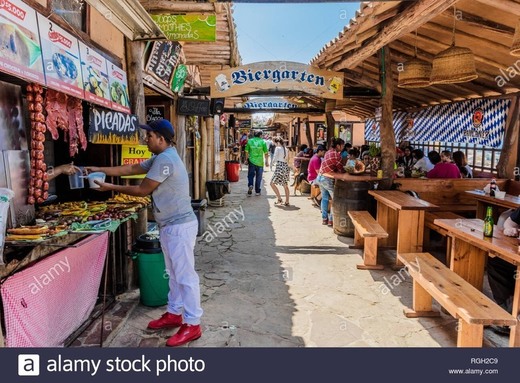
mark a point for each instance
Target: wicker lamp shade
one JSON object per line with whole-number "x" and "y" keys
{"x": 515, "y": 48}
{"x": 454, "y": 65}
{"x": 416, "y": 74}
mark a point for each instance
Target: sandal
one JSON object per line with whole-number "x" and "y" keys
{"x": 279, "y": 202}
{"x": 286, "y": 203}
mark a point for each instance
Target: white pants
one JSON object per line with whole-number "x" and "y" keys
{"x": 178, "y": 246}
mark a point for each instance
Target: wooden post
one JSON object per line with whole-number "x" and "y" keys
{"x": 308, "y": 132}
{"x": 203, "y": 158}
{"x": 210, "y": 148}
{"x": 387, "y": 126}
{"x": 330, "y": 127}
{"x": 134, "y": 55}
{"x": 508, "y": 157}
{"x": 134, "y": 59}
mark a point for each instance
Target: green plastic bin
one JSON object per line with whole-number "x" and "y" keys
{"x": 153, "y": 277}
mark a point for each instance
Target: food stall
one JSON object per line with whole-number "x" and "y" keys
{"x": 61, "y": 101}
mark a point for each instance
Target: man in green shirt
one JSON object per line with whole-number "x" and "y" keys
{"x": 256, "y": 151}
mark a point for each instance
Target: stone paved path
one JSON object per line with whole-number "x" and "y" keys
{"x": 275, "y": 277}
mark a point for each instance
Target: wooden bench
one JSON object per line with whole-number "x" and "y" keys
{"x": 448, "y": 194}
{"x": 431, "y": 279}
{"x": 431, "y": 216}
{"x": 367, "y": 231}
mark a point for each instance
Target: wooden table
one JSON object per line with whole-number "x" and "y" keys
{"x": 402, "y": 216}
{"x": 350, "y": 177}
{"x": 484, "y": 200}
{"x": 469, "y": 248}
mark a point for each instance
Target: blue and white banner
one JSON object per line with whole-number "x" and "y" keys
{"x": 480, "y": 122}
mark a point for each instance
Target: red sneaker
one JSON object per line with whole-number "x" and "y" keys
{"x": 167, "y": 320}
{"x": 186, "y": 334}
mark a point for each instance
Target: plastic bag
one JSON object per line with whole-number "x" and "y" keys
{"x": 6, "y": 195}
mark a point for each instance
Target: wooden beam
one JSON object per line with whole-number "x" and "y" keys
{"x": 176, "y": 6}
{"x": 417, "y": 14}
{"x": 503, "y": 5}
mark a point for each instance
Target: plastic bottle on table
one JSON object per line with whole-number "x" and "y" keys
{"x": 492, "y": 187}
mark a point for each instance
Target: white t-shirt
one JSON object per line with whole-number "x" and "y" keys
{"x": 280, "y": 154}
{"x": 424, "y": 164}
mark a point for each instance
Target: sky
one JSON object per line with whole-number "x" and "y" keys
{"x": 288, "y": 32}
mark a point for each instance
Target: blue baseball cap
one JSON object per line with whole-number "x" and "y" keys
{"x": 162, "y": 127}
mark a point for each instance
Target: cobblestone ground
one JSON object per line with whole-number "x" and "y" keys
{"x": 275, "y": 277}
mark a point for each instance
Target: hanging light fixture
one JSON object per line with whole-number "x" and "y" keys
{"x": 515, "y": 48}
{"x": 455, "y": 64}
{"x": 416, "y": 73}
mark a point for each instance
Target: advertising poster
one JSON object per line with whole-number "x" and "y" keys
{"x": 95, "y": 76}
{"x": 134, "y": 154}
{"x": 118, "y": 89}
{"x": 112, "y": 128}
{"x": 196, "y": 27}
{"x": 20, "y": 53}
{"x": 61, "y": 59}
{"x": 163, "y": 59}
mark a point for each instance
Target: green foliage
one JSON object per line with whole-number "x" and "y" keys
{"x": 374, "y": 150}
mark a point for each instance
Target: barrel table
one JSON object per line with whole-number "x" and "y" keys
{"x": 350, "y": 194}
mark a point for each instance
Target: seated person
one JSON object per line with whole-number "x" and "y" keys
{"x": 442, "y": 169}
{"x": 459, "y": 158}
{"x": 297, "y": 160}
{"x": 502, "y": 274}
{"x": 422, "y": 163}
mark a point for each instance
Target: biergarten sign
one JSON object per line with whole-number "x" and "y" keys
{"x": 112, "y": 127}
{"x": 277, "y": 77}
{"x": 197, "y": 27}
{"x": 270, "y": 103}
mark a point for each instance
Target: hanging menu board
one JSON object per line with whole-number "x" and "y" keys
{"x": 164, "y": 56}
{"x": 61, "y": 59}
{"x": 20, "y": 49}
{"x": 111, "y": 127}
{"x": 95, "y": 76}
{"x": 118, "y": 89}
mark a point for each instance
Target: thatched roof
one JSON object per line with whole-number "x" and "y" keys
{"x": 485, "y": 26}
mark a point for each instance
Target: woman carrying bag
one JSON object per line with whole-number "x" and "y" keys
{"x": 281, "y": 173}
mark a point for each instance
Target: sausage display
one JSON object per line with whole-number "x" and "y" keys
{"x": 38, "y": 185}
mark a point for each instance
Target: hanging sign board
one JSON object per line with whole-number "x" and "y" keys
{"x": 20, "y": 49}
{"x": 193, "y": 107}
{"x": 196, "y": 27}
{"x": 118, "y": 89}
{"x": 164, "y": 57}
{"x": 134, "y": 154}
{"x": 61, "y": 59}
{"x": 277, "y": 76}
{"x": 95, "y": 75}
{"x": 154, "y": 112}
{"x": 270, "y": 103}
{"x": 179, "y": 78}
{"x": 112, "y": 127}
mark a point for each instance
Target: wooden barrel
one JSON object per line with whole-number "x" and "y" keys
{"x": 349, "y": 196}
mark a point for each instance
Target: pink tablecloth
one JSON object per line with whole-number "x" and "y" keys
{"x": 46, "y": 302}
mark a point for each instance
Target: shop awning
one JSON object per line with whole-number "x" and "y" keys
{"x": 130, "y": 18}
